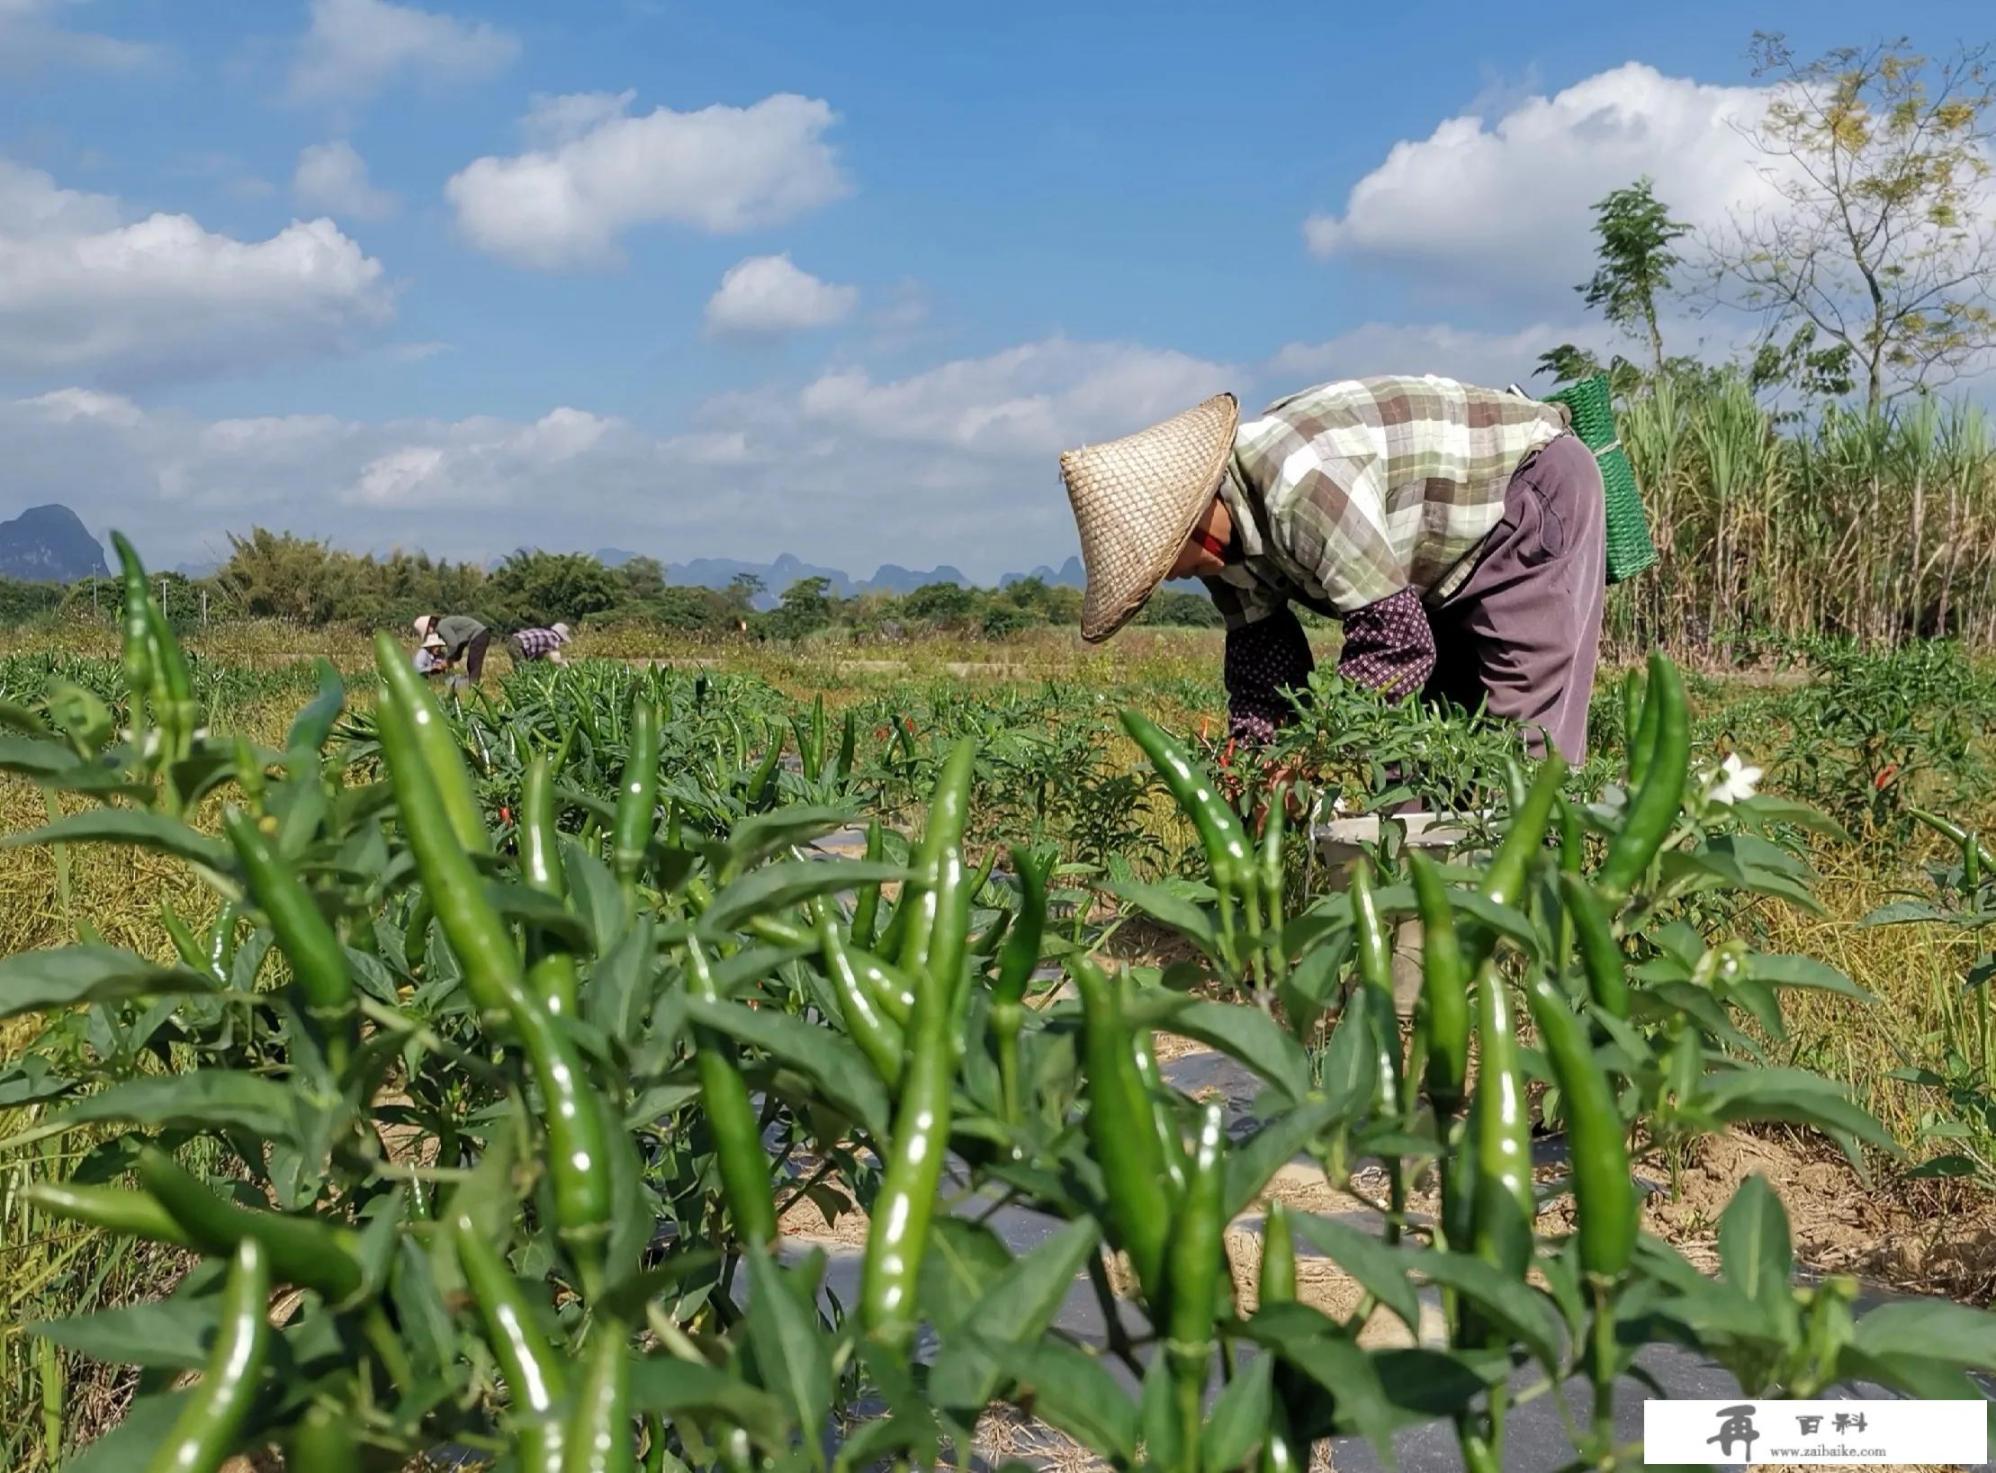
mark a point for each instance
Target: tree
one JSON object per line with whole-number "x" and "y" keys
{"x": 1635, "y": 232}
{"x": 1883, "y": 242}
{"x": 939, "y": 603}
{"x": 643, "y": 579}
{"x": 806, "y": 607}
{"x": 542, "y": 587}
{"x": 742, "y": 591}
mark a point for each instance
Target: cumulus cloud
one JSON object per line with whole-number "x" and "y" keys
{"x": 81, "y": 291}
{"x": 333, "y": 177}
{"x": 1035, "y": 399}
{"x": 32, "y": 38}
{"x": 767, "y": 296}
{"x": 353, "y": 48}
{"x": 1490, "y": 358}
{"x": 601, "y": 171}
{"x": 1486, "y": 206}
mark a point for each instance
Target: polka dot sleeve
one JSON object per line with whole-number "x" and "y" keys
{"x": 1389, "y": 645}
{"x": 1263, "y": 660}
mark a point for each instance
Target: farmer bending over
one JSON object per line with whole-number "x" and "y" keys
{"x": 527, "y": 645}
{"x": 464, "y": 639}
{"x": 1457, "y": 532}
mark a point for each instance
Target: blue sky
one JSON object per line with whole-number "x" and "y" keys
{"x": 837, "y": 280}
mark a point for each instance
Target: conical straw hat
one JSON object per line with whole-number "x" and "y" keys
{"x": 1135, "y": 502}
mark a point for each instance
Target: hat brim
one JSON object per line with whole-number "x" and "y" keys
{"x": 1135, "y": 502}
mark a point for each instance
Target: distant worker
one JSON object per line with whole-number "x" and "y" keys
{"x": 464, "y": 639}
{"x": 430, "y": 657}
{"x": 1458, "y": 533}
{"x": 527, "y": 645}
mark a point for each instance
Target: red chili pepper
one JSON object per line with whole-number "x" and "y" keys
{"x": 505, "y": 814}
{"x": 1885, "y": 776}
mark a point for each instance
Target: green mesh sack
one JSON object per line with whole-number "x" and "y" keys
{"x": 1629, "y": 547}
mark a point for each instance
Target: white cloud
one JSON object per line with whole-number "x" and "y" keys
{"x": 333, "y": 177}
{"x": 30, "y": 38}
{"x": 767, "y": 296}
{"x": 1507, "y": 205}
{"x": 1490, "y": 358}
{"x": 81, "y": 292}
{"x": 555, "y": 119}
{"x": 953, "y": 465}
{"x": 720, "y": 169}
{"x": 355, "y": 47}
{"x": 1038, "y": 398}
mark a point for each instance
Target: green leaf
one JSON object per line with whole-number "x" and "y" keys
{"x": 764, "y": 833}
{"x": 1252, "y": 1164}
{"x": 31, "y": 1080}
{"x": 1527, "y": 1315}
{"x": 1015, "y": 1307}
{"x": 1899, "y": 912}
{"x": 1794, "y": 1095}
{"x": 315, "y": 721}
{"x": 776, "y": 887}
{"x": 790, "y": 1355}
{"x": 1250, "y": 1036}
{"x": 839, "y": 1068}
{"x": 543, "y": 913}
{"x": 593, "y": 891}
{"x": 1071, "y": 1391}
{"x": 1238, "y": 1421}
{"x": 41, "y": 981}
{"x": 32, "y": 757}
{"x": 1755, "y": 1253}
{"x": 616, "y": 995}
{"x": 1929, "y": 1329}
{"x": 158, "y": 832}
{"x": 678, "y": 1388}
{"x": 213, "y": 1099}
{"x": 130, "y": 1444}
{"x": 1381, "y": 1271}
{"x": 1306, "y": 1340}
{"x": 1172, "y": 911}
{"x": 1350, "y": 1067}
{"x": 176, "y": 1334}
{"x": 1802, "y": 971}
{"x": 963, "y": 1258}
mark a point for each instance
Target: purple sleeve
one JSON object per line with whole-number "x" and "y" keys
{"x": 1264, "y": 659}
{"x": 1389, "y": 645}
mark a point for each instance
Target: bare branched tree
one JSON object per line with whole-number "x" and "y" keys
{"x": 1883, "y": 246}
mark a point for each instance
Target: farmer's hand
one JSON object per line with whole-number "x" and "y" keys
{"x": 1283, "y": 778}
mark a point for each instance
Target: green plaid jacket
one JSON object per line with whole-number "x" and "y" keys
{"x": 1351, "y": 492}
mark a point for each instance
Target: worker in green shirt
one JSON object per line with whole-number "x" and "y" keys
{"x": 464, "y": 637}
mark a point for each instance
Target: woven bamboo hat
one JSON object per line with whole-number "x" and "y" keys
{"x": 1135, "y": 502}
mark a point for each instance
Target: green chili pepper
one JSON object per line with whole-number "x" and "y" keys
{"x": 600, "y": 1437}
{"x": 137, "y": 627}
{"x": 1600, "y": 954}
{"x": 1278, "y": 1258}
{"x": 1375, "y": 971}
{"x": 1271, "y": 873}
{"x": 759, "y": 781}
{"x": 1196, "y": 1254}
{"x": 114, "y": 1209}
{"x": 914, "y": 1161}
{"x": 1169, "y": 1142}
{"x": 318, "y": 962}
{"x": 1604, "y": 1196}
{"x": 877, "y": 1035}
{"x": 577, "y": 1130}
{"x": 1219, "y": 826}
{"x": 848, "y": 746}
{"x": 1015, "y": 970}
{"x": 1975, "y": 857}
{"x": 1654, "y": 805}
{"x": 191, "y": 951}
{"x": 304, "y": 1250}
{"x": 206, "y": 1432}
{"x": 536, "y": 1379}
{"x": 637, "y": 799}
{"x": 1505, "y": 1209}
{"x": 819, "y": 741}
{"x": 731, "y": 1115}
{"x": 1444, "y": 989}
{"x": 1632, "y": 712}
{"x": 1122, "y": 1132}
{"x": 416, "y": 930}
{"x": 550, "y": 962}
{"x": 428, "y": 740}
{"x": 322, "y": 1441}
{"x": 1642, "y": 735}
{"x": 1504, "y": 879}
{"x": 921, "y": 903}
{"x": 866, "y": 905}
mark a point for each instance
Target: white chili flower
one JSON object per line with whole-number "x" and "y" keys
{"x": 1734, "y": 782}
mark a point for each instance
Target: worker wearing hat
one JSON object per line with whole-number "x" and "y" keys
{"x": 464, "y": 637}
{"x": 1457, "y": 533}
